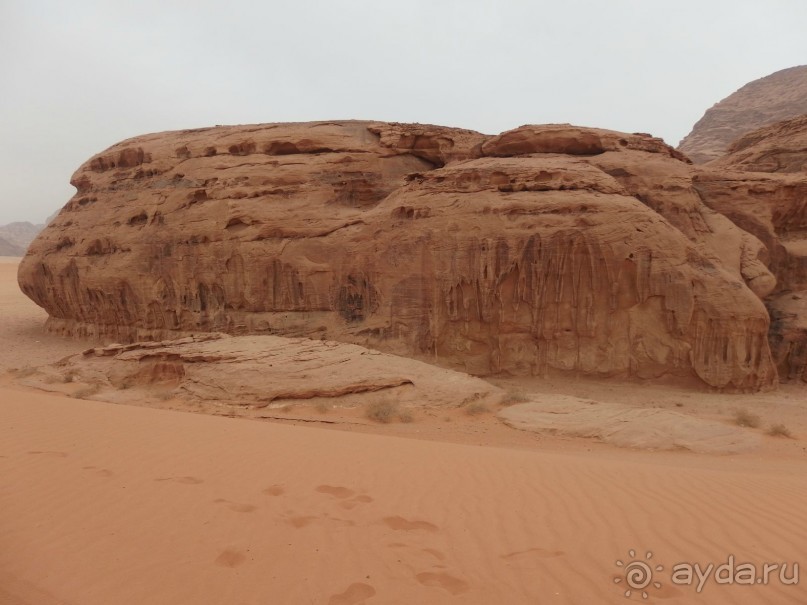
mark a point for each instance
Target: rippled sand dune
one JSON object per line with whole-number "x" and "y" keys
{"x": 104, "y": 503}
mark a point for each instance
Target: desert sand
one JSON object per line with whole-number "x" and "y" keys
{"x": 111, "y": 503}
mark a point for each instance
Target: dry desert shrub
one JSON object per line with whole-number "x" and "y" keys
{"x": 321, "y": 407}
{"x": 386, "y": 411}
{"x": 513, "y": 397}
{"x": 779, "y": 430}
{"x": 745, "y": 418}
{"x": 476, "y": 408}
{"x": 85, "y": 392}
{"x": 381, "y": 411}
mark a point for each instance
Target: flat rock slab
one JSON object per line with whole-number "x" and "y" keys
{"x": 256, "y": 371}
{"x": 626, "y": 426}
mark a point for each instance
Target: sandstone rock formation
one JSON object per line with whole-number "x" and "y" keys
{"x": 626, "y": 426}
{"x": 780, "y": 147}
{"x": 544, "y": 249}
{"x": 769, "y": 200}
{"x": 779, "y": 96}
{"x": 259, "y": 371}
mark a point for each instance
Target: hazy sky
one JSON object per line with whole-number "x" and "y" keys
{"x": 79, "y": 76}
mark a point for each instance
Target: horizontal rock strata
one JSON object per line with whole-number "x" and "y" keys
{"x": 544, "y": 249}
{"x": 258, "y": 372}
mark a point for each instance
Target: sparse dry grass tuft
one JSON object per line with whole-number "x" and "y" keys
{"x": 514, "y": 397}
{"x": 386, "y": 411}
{"x": 779, "y": 430}
{"x": 85, "y": 392}
{"x": 321, "y": 407}
{"x": 747, "y": 419}
{"x": 381, "y": 411}
{"x": 476, "y": 408}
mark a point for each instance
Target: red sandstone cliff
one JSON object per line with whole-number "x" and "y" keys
{"x": 544, "y": 249}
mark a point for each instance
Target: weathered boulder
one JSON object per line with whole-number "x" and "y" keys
{"x": 627, "y": 426}
{"x": 257, "y": 372}
{"x": 779, "y": 96}
{"x": 547, "y": 248}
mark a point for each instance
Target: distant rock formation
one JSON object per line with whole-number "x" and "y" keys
{"x": 16, "y": 237}
{"x": 779, "y": 96}
{"x": 544, "y": 249}
{"x": 779, "y": 147}
{"x": 9, "y": 249}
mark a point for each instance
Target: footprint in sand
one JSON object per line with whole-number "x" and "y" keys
{"x": 443, "y": 580}
{"x": 335, "y": 491}
{"x": 342, "y": 493}
{"x": 299, "y": 522}
{"x": 355, "y": 593}
{"x": 54, "y": 454}
{"x": 236, "y": 506}
{"x": 274, "y": 490}
{"x": 184, "y": 480}
{"x": 418, "y": 557}
{"x": 230, "y": 558}
{"x": 401, "y": 524}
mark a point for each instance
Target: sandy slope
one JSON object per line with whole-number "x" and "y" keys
{"x": 113, "y": 504}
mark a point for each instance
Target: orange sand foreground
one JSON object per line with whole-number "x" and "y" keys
{"x": 112, "y": 504}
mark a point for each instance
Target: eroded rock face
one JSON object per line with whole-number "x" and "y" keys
{"x": 779, "y": 96}
{"x": 769, "y": 200}
{"x": 789, "y": 334}
{"x": 780, "y": 147}
{"x": 546, "y": 248}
